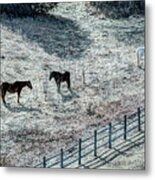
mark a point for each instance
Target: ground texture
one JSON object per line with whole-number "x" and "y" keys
{"x": 106, "y": 82}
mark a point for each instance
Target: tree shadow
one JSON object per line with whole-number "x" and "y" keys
{"x": 131, "y": 37}
{"x": 55, "y": 34}
{"x": 21, "y": 108}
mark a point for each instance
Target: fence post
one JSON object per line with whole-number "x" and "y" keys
{"x": 139, "y": 120}
{"x": 61, "y": 158}
{"x": 95, "y": 143}
{"x": 79, "y": 160}
{"x": 110, "y": 134}
{"x": 44, "y": 162}
{"x": 83, "y": 75}
{"x": 125, "y": 127}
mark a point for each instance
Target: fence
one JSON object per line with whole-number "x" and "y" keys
{"x": 103, "y": 139}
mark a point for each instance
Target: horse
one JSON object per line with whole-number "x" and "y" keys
{"x": 15, "y": 87}
{"x": 61, "y": 77}
{"x": 140, "y": 51}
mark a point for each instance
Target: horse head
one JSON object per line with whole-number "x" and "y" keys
{"x": 51, "y": 75}
{"x": 29, "y": 84}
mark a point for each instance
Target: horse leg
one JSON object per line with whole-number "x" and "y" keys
{"x": 58, "y": 86}
{"x": 68, "y": 85}
{"x": 3, "y": 96}
{"x": 138, "y": 59}
{"x": 19, "y": 91}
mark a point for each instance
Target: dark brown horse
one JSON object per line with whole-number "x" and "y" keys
{"x": 15, "y": 87}
{"x": 61, "y": 77}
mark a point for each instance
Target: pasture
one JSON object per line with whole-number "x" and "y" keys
{"x": 99, "y": 53}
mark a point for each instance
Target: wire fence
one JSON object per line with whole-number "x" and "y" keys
{"x": 103, "y": 139}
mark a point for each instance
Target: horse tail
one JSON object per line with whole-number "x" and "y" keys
{"x": 0, "y": 91}
{"x": 68, "y": 79}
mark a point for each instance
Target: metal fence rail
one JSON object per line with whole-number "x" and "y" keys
{"x": 105, "y": 137}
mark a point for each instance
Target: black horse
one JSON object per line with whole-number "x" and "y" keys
{"x": 61, "y": 77}
{"x": 15, "y": 87}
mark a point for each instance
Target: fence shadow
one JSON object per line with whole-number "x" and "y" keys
{"x": 100, "y": 153}
{"x": 55, "y": 34}
{"x": 111, "y": 154}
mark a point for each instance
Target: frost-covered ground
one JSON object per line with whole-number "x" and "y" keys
{"x": 106, "y": 83}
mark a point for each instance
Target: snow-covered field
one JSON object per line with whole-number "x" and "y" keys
{"x": 106, "y": 82}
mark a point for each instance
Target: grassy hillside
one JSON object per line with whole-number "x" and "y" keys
{"x": 106, "y": 83}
